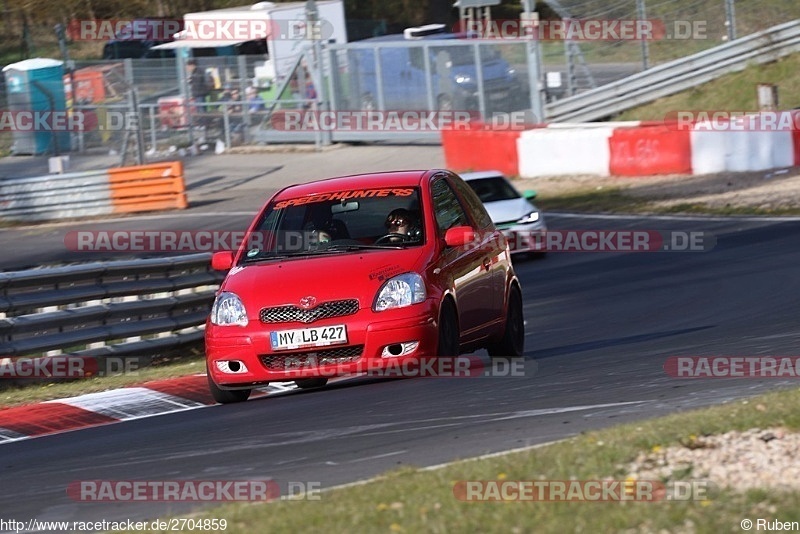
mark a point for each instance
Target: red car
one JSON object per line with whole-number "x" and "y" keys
{"x": 354, "y": 274}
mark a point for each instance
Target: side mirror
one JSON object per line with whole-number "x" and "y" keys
{"x": 459, "y": 236}
{"x": 529, "y": 194}
{"x": 222, "y": 261}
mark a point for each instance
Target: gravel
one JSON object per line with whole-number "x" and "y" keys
{"x": 756, "y": 458}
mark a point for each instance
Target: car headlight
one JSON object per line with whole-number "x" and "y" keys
{"x": 400, "y": 291}
{"x": 463, "y": 78}
{"x": 228, "y": 310}
{"x": 532, "y": 217}
{"x": 511, "y": 72}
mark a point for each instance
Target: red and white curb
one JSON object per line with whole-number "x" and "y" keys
{"x": 125, "y": 404}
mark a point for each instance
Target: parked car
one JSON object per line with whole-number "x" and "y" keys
{"x": 512, "y": 212}
{"x": 356, "y": 273}
{"x": 454, "y": 77}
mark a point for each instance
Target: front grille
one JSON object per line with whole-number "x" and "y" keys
{"x": 304, "y": 360}
{"x": 288, "y": 314}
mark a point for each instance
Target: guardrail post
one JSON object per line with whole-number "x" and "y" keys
{"x": 242, "y": 67}
{"x": 532, "y": 52}
{"x": 642, "y": 14}
{"x": 730, "y": 19}
{"x": 153, "y": 133}
{"x": 226, "y": 124}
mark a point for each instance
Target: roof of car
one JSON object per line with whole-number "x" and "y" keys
{"x": 359, "y": 181}
{"x": 467, "y": 176}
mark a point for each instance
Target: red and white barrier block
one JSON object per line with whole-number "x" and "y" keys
{"x": 699, "y": 143}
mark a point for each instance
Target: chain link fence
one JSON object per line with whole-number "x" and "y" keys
{"x": 145, "y": 107}
{"x": 683, "y": 27}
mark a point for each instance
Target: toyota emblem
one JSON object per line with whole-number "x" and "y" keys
{"x": 308, "y": 302}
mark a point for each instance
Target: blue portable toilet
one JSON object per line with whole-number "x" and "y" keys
{"x": 37, "y": 86}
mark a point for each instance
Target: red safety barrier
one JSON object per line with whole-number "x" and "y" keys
{"x": 650, "y": 150}
{"x": 481, "y": 149}
{"x": 796, "y": 137}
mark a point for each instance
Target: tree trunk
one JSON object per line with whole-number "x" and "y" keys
{"x": 7, "y": 17}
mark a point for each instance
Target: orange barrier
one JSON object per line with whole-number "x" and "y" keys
{"x": 479, "y": 149}
{"x": 650, "y": 150}
{"x": 159, "y": 186}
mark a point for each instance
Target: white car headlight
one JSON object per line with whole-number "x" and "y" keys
{"x": 463, "y": 78}
{"x": 400, "y": 291}
{"x": 532, "y": 217}
{"x": 228, "y": 310}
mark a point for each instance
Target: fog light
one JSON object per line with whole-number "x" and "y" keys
{"x": 231, "y": 367}
{"x": 399, "y": 349}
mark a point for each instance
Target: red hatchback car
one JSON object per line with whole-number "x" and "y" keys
{"x": 354, "y": 274}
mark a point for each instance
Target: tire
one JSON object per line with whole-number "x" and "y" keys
{"x": 311, "y": 383}
{"x": 449, "y": 334}
{"x": 226, "y": 396}
{"x": 512, "y": 344}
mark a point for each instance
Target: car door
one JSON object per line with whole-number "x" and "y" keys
{"x": 464, "y": 265}
{"x": 492, "y": 244}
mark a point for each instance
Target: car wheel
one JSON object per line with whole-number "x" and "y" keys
{"x": 225, "y": 396}
{"x": 311, "y": 383}
{"x": 448, "y": 331}
{"x": 513, "y": 343}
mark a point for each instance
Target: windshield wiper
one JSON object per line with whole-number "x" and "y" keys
{"x": 271, "y": 257}
{"x": 347, "y": 247}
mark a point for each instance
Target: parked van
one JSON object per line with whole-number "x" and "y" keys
{"x": 454, "y": 77}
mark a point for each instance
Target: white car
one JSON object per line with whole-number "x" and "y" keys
{"x": 511, "y": 211}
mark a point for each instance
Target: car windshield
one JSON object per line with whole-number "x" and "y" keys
{"x": 330, "y": 223}
{"x": 493, "y": 189}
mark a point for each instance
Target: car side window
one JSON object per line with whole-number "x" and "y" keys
{"x": 446, "y": 206}
{"x": 417, "y": 58}
{"x": 473, "y": 202}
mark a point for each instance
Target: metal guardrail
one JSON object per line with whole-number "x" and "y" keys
{"x": 157, "y": 186}
{"x": 678, "y": 75}
{"x": 117, "y": 308}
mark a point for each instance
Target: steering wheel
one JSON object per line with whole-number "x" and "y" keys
{"x": 403, "y": 238}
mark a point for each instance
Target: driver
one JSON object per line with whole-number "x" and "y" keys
{"x": 402, "y": 222}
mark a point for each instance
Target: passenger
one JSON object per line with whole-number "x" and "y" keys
{"x": 321, "y": 225}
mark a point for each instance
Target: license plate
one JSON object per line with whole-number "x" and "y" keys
{"x": 499, "y": 96}
{"x": 321, "y": 336}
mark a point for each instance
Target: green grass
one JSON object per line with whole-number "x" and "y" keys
{"x": 411, "y": 500}
{"x": 733, "y": 92}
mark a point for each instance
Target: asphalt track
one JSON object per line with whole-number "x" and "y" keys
{"x": 599, "y": 329}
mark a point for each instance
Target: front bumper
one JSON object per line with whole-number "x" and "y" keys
{"x": 368, "y": 334}
{"x": 526, "y": 237}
